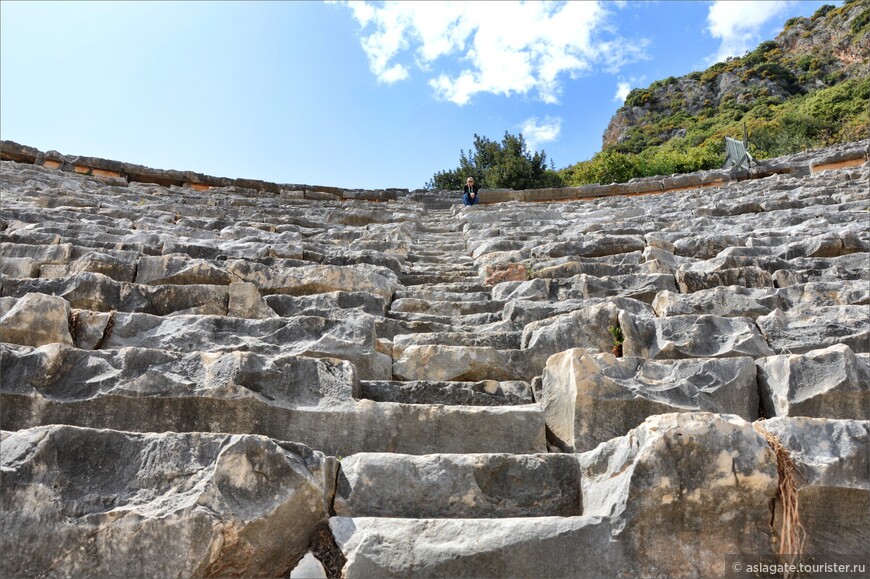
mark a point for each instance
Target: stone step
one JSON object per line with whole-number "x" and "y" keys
{"x": 439, "y": 268}
{"x": 467, "y": 363}
{"x": 635, "y": 492}
{"x": 445, "y": 260}
{"x": 414, "y": 279}
{"x": 445, "y": 308}
{"x": 516, "y": 547}
{"x": 456, "y": 287}
{"x": 421, "y": 251}
{"x": 481, "y": 393}
{"x": 642, "y": 287}
{"x": 498, "y": 340}
{"x": 441, "y": 246}
{"x": 467, "y": 321}
{"x": 326, "y": 304}
{"x": 388, "y": 328}
{"x": 435, "y": 294}
{"x": 37, "y": 320}
{"x": 40, "y": 238}
{"x": 99, "y": 293}
{"x": 448, "y": 264}
{"x": 458, "y": 486}
{"x": 286, "y": 398}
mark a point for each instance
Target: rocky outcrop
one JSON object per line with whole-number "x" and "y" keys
{"x": 808, "y": 54}
{"x": 229, "y": 381}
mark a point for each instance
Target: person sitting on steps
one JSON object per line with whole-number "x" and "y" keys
{"x": 470, "y": 196}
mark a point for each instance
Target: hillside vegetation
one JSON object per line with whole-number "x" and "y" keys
{"x": 807, "y": 88}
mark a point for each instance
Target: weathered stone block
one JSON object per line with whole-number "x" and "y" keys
{"x": 683, "y": 491}
{"x": 691, "y": 337}
{"x": 315, "y": 279}
{"x": 801, "y": 329}
{"x": 36, "y": 319}
{"x": 731, "y": 301}
{"x": 591, "y": 246}
{"x": 832, "y": 458}
{"x": 482, "y": 393}
{"x": 578, "y": 547}
{"x": 589, "y": 398}
{"x": 179, "y": 269}
{"x": 458, "y": 486}
{"x": 466, "y": 363}
{"x": 827, "y": 383}
{"x": 534, "y": 289}
{"x": 107, "y": 503}
{"x": 350, "y": 339}
{"x": 586, "y": 327}
{"x": 19, "y": 267}
{"x": 691, "y": 281}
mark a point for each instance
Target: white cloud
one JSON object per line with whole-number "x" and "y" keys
{"x": 737, "y": 23}
{"x": 394, "y": 73}
{"x": 625, "y": 86}
{"x": 536, "y": 133}
{"x": 622, "y": 90}
{"x": 491, "y": 47}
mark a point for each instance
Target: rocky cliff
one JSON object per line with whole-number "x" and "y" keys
{"x": 808, "y": 55}
{"x": 205, "y": 379}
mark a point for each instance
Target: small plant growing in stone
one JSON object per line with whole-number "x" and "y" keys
{"x": 618, "y": 340}
{"x": 531, "y": 270}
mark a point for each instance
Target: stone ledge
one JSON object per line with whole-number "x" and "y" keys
{"x": 800, "y": 164}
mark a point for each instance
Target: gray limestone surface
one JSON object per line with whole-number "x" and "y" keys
{"x": 78, "y": 501}
{"x": 203, "y": 376}
{"x": 829, "y": 383}
{"x": 589, "y": 398}
{"x": 833, "y": 459}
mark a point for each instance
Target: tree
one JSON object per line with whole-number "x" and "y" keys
{"x": 505, "y": 165}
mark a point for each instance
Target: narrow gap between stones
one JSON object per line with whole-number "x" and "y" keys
{"x": 107, "y": 331}
{"x": 325, "y": 549}
{"x": 73, "y": 322}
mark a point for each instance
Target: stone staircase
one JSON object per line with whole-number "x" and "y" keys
{"x": 222, "y": 382}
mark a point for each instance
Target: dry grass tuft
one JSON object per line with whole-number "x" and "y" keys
{"x": 791, "y": 533}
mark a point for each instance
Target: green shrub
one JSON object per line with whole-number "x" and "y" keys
{"x": 822, "y": 11}
{"x": 860, "y": 24}
{"x": 638, "y": 97}
{"x": 792, "y": 22}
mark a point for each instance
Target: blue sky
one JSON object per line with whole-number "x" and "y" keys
{"x": 367, "y": 95}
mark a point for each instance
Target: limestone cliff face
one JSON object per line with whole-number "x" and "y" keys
{"x": 809, "y": 54}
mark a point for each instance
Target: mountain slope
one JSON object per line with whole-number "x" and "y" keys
{"x": 809, "y": 87}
